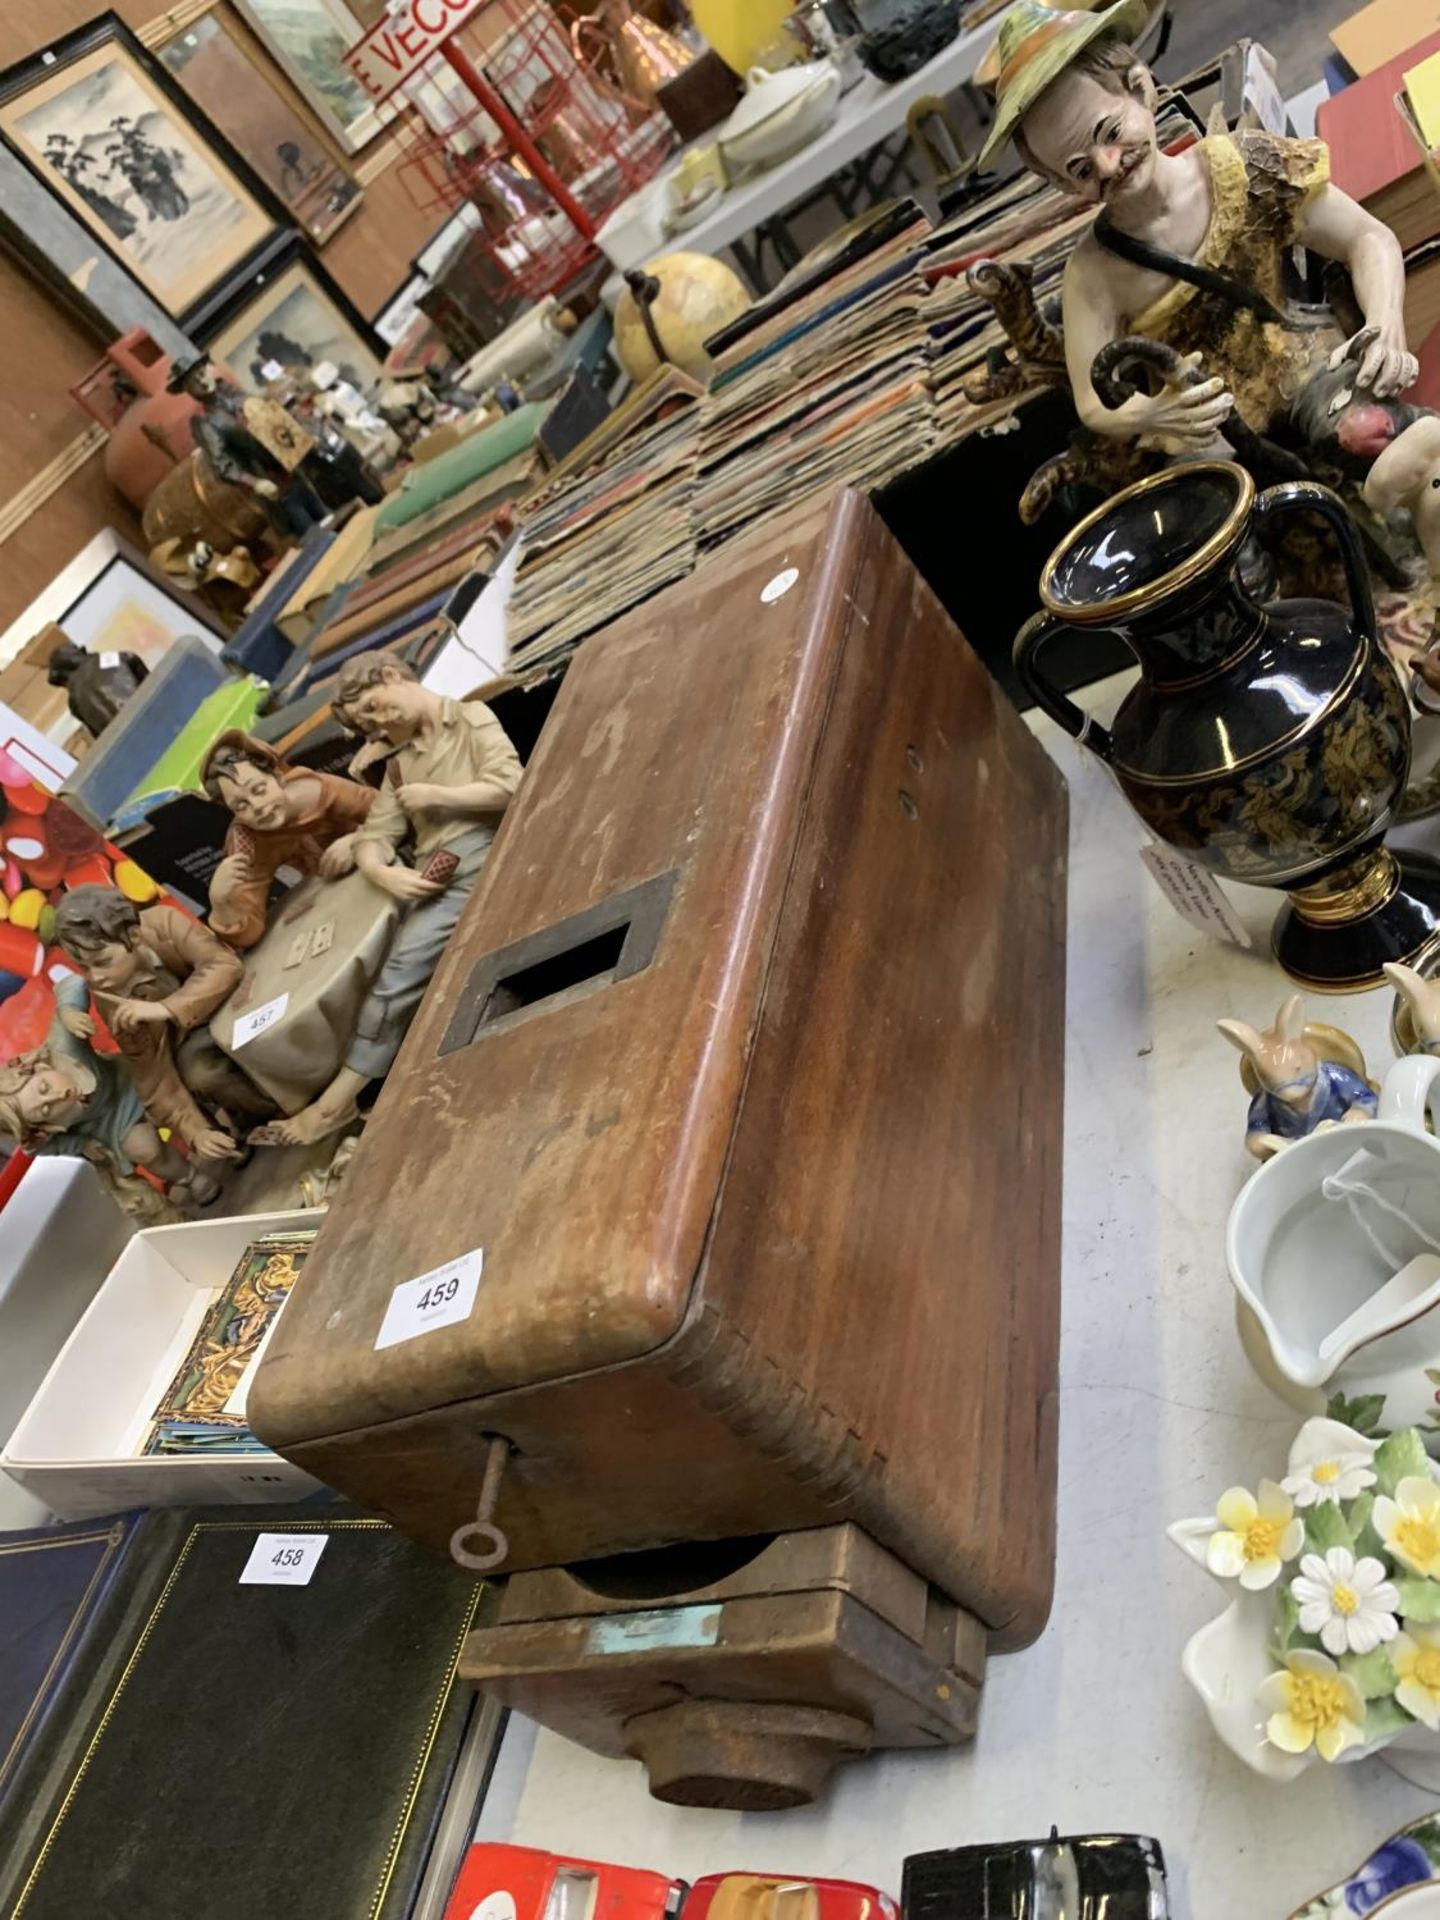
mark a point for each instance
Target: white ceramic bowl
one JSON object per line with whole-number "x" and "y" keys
{"x": 781, "y": 113}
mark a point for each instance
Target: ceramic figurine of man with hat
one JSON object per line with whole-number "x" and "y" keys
{"x": 1189, "y": 248}
{"x": 253, "y": 444}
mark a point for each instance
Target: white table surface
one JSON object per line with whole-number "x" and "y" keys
{"x": 869, "y": 113}
{"x": 1093, "y": 1727}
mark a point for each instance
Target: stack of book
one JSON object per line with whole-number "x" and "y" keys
{"x": 824, "y": 383}
{"x": 1375, "y": 156}
{"x": 611, "y": 525}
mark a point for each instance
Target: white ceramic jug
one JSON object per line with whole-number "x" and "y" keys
{"x": 1334, "y": 1249}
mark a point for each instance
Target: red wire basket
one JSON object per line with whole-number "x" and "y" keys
{"x": 602, "y": 145}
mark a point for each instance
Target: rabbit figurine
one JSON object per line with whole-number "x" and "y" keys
{"x": 1415, "y": 1026}
{"x": 1297, "y": 1087}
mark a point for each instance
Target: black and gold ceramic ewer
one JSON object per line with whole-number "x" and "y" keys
{"x": 1269, "y": 743}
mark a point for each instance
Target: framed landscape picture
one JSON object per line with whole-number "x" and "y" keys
{"x": 122, "y": 149}
{"x": 294, "y": 319}
{"x": 309, "y": 39}
{"x": 62, "y": 252}
{"x": 292, "y": 160}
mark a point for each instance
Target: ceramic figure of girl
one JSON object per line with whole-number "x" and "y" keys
{"x": 284, "y": 817}
{"x": 1189, "y": 248}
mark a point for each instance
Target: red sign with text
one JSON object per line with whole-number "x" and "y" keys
{"x": 404, "y": 40}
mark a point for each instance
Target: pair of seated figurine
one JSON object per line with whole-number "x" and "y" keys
{"x": 157, "y": 976}
{"x": 450, "y": 773}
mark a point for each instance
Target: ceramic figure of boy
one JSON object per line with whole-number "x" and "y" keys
{"x": 1188, "y": 248}
{"x": 284, "y": 817}
{"x": 449, "y": 781}
{"x": 157, "y": 976}
{"x": 64, "y": 1098}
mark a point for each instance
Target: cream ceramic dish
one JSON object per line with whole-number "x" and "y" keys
{"x": 781, "y": 113}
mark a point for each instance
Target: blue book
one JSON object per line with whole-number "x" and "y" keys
{"x": 53, "y": 1581}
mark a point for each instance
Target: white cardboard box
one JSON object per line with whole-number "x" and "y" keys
{"x": 74, "y": 1446}
{"x": 60, "y": 1234}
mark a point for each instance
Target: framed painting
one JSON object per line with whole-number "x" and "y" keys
{"x": 294, "y": 318}
{"x": 309, "y": 39}
{"x": 120, "y": 146}
{"x": 62, "y": 253}
{"x": 123, "y": 610}
{"x": 289, "y": 156}
{"x": 109, "y": 598}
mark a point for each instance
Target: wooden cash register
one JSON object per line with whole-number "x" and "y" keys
{"x": 740, "y": 1086}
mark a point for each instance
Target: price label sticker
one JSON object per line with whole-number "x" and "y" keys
{"x": 284, "y": 1559}
{"x": 109, "y": 660}
{"x": 777, "y": 588}
{"x": 251, "y": 1025}
{"x": 437, "y": 1299}
{"x": 1196, "y": 895}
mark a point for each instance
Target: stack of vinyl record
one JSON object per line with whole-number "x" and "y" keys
{"x": 1037, "y": 237}
{"x": 850, "y": 373}
{"x": 824, "y": 383}
{"x": 610, "y": 526}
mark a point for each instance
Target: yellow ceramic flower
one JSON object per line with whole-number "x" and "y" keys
{"x": 1312, "y": 1703}
{"x": 1415, "y": 1656}
{"x": 1410, "y": 1525}
{"x": 1257, "y": 1535}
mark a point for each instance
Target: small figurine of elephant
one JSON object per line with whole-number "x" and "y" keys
{"x": 1421, "y": 1002}
{"x": 1303, "y": 1077}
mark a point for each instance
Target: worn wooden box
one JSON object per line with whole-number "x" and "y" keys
{"x": 741, "y": 1673}
{"x": 744, "y": 1071}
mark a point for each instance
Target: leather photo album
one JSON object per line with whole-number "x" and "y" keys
{"x": 220, "y": 1738}
{"x": 53, "y": 1582}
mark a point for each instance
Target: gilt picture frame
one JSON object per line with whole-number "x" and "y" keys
{"x": 223, "y": 80}
{"x": 294, "y": 316}
{"x": 102, "y": 126}
{"x": 308, "y": 40}
{"x": 81, "y": 274}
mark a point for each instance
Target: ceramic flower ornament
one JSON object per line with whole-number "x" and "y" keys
{"x": 1340, "y": 1658}
{"x": 1311, "y": 1703}
{"x": 1410, "y": 1525}
{"x": 1256, "y": 1536}
{"x": 1348, "y": 1602}
{"x": 1415, "y": 1656}
{"x": 1335, "y": 1475}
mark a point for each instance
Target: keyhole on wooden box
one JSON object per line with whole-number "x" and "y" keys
{"x": 908, "y": 806}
